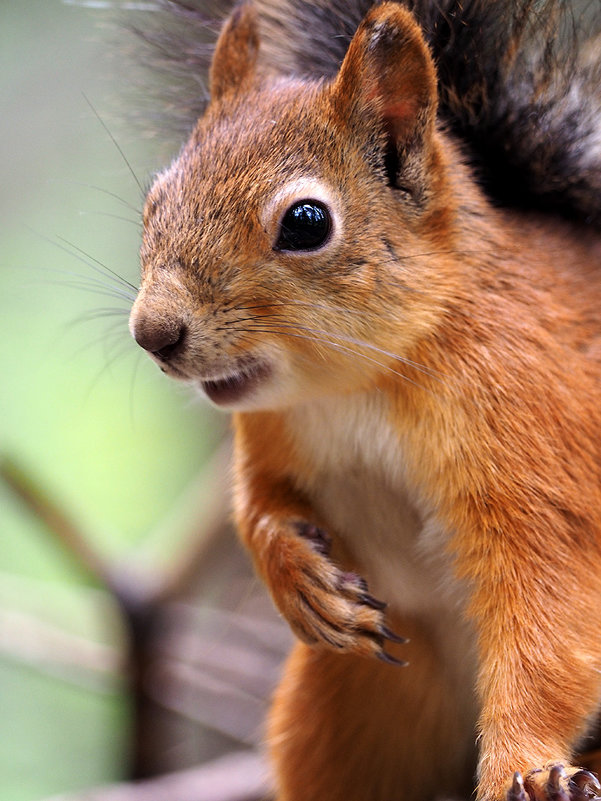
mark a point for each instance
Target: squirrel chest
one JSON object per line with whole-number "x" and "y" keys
{"x": 358, "y": 483}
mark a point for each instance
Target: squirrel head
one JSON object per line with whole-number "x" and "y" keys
{"x": 285, "y": 250}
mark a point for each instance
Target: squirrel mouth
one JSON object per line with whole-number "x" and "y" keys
{"x": 233, "y": 387}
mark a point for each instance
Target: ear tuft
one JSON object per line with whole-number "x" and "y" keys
{"x": 236, "y": 52}
{"x": 388, "y": 77}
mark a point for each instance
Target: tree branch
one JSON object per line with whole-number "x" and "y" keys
{"x": 56, "y": 519}
{"x": 240, "y": 776}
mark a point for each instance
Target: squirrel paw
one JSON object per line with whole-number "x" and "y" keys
{"x": 325, "y": 605}
{"x": 554, "y": 782}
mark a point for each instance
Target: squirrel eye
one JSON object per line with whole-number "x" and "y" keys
{"x": 305, "y": 226}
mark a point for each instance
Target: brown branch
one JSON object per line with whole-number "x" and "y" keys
{"x": 56, "y": 652}
{"x": 204, "y": 530}
{"x": 240, "y": 776}
{"x": 56, "y": 519}
{"x": 142, "y": 597}
{"x": 128, "y": 586}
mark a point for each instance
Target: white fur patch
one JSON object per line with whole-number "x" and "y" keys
{"x": 360, "y": 487}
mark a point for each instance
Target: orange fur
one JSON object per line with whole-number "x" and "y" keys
{"x": 424, "y": 388}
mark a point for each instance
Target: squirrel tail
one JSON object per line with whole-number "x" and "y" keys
{"x": 519, "y": 81}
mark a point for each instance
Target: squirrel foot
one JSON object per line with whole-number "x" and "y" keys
{"x": 554, "y": 782}
{"x": 325, "y": 605}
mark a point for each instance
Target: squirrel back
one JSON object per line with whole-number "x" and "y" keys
{"x": 519, "y": 81}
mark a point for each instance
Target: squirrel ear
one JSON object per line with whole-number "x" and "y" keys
{"x": 236, "y": 52}
{"x": 388, "y": 76}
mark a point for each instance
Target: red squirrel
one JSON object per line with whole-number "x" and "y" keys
{"x": 413, "y": 363}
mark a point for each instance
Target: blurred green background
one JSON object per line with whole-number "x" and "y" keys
{"x": 86, "y": 413}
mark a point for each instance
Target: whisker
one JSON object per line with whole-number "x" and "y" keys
{"x": 422, "y": 368}
{"x": 114, "y": 141}
{"x": 322, "y": 306}
{"x": 104, "y": 191}
{"x": 436, "y": 374}
{"x": 89, "y": 284}
{"x": 112, "y": 333}
{"x": 339, "y": 347}
{"x": 121, "y": 284}
{"x": 259, "y": 318}
{"x": 137, "y": 223}
{"x": 120, "y": 347}
{"x": 451, "y": 252}
{"x": 92, "y": 262}
{"x": 134, "y": 375}
{"x": 99, "y": 314}
{"x": 110, "y": 361}
{"x": 98, "y": 289}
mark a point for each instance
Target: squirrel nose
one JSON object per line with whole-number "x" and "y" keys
{"x": 159, "y": 336}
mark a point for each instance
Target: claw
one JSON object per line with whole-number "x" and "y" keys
{"x": 391, "y": 660}
{"x": 390, "y": 635}
{"x": 372, "y": 602}
{"x": 319, "y": 539}
{"x": 517, "y": 792}
{"x": 358, "y": 582}
{"x": 584, "y": 785}
{"x": 554, "y": 788}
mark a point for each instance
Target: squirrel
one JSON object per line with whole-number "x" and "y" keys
{"x": 380, "y": 248}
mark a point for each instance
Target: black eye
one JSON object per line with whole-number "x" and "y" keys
{"x": 305, "y": 226}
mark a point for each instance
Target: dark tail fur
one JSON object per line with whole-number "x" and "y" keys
{"x": 520, "y": 81}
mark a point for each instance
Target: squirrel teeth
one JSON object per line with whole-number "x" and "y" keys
{"x": 236, "y": 386}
